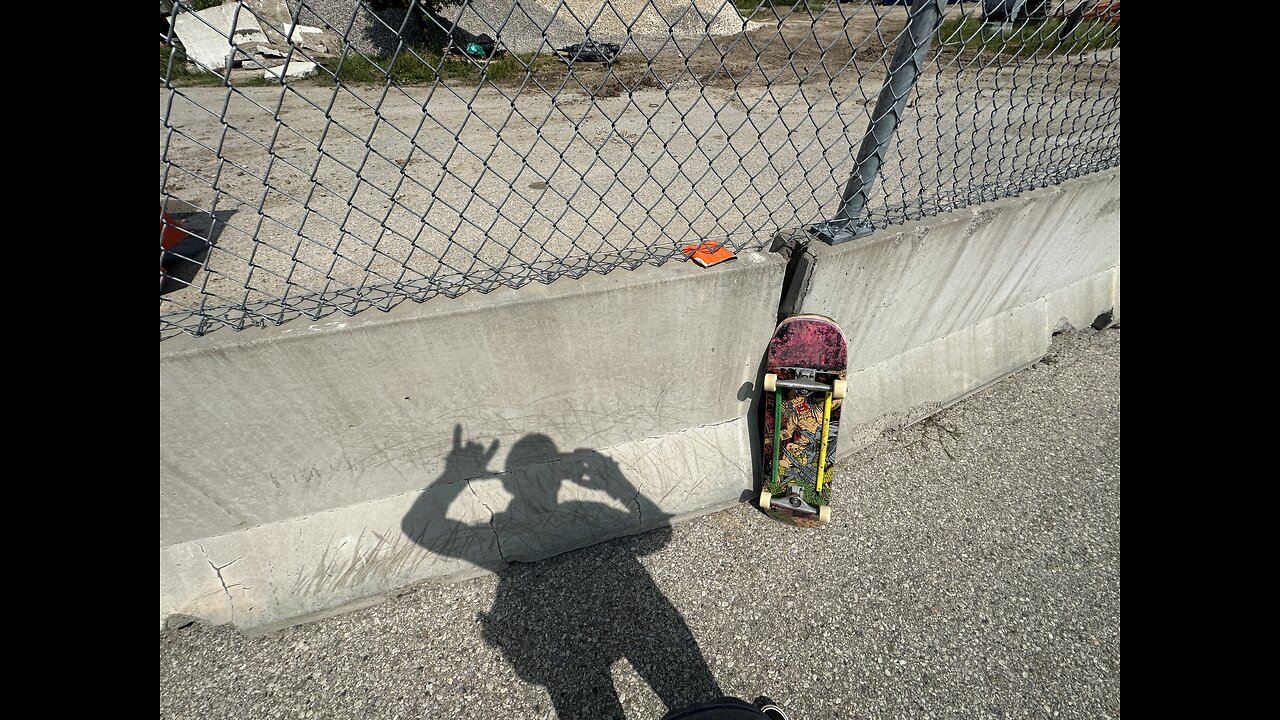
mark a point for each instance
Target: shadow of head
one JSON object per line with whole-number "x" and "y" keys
{"x": 533, "y": 461}
{"x": 531, "y": 450}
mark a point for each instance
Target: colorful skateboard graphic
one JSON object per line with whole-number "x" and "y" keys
{"x": 804, "y": 388}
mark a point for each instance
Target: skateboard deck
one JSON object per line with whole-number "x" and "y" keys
{"x": 804, "y": 388}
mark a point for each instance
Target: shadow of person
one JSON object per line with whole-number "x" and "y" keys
{"x": 564, "y": 621}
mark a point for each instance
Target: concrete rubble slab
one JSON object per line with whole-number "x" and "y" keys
{"x": 310, "y": 38}
{"x": 300, "y": 32}
{"x": 268, "y": 51}
{"x": 261, "y": 63}
{"x": 292, "y": 71}
{"x": 209, "y": 35}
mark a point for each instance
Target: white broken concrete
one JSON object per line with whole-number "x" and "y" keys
{"x": 209, "y": 36}
{"x": 260, "y": 64}
{"x": 309, "y": 38}
{"x": 268, "y": 51}
{"x": 292, "y": 71}
{"x": 298, "y": 32}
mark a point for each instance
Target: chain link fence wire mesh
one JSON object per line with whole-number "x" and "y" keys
{"x": 323, "y": 156}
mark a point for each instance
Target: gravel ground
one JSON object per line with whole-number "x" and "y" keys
{"x": 972, "y": 570}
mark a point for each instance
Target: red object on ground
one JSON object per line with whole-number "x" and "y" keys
{"x": 1105, "y": 10}
{"x": 708, "y": 253}
{"x": 171, "y": 232}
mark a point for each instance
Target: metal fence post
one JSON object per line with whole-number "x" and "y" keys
{"x": 923, "y": 20}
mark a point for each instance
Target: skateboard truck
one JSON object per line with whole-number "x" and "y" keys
{"x": 793, "y": 500}
{"x": 805, "y": 380}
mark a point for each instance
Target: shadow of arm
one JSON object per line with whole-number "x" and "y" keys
{"x": 427, "y": 522}
{"x": 603, "y": 472}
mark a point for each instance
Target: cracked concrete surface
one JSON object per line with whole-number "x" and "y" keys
{"x": 496, "y": 536}
{"x": 225, "y": 587}
{"x": 217, "y": 569}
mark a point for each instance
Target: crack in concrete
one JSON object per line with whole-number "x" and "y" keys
{"x": 496, "y": 537}
{"x": 682, "y": 431}
{"x": 218, "y": 570}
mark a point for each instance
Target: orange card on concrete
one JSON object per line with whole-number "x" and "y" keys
{"x": 708, "y": 253}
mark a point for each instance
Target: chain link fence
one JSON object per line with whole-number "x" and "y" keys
{"x": 322, "y": 156}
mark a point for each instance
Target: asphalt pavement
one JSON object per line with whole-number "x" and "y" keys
{"x": 971, "y": 570}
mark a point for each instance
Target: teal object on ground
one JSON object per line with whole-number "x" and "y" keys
{"x": 474, "y": 50}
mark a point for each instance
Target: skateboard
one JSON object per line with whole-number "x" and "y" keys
{"x": 804, "y": 389}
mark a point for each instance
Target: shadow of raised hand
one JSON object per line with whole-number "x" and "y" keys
{"x": 470, "y": 460}
{"x": 427, "y": 522}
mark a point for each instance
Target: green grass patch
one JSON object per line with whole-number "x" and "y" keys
{"x": 184, "y": 76}
{"x": 1047, "y": 36}
{"x": 422, "y": 67}
{"x": 748, "y": 8}
{"x": 181, "y": 75}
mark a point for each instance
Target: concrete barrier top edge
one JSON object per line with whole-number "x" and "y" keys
{"x": 301, "y": 327}
{"x": 964, "y": 214}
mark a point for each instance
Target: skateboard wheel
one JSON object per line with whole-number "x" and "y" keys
{"x": 765, "y": 497}
{"x": 838, "y": 389}
{"x": 824, "y": 513}
{"x": 770, "y": 382}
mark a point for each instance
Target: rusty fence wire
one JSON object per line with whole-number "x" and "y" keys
{"x": 322, "y": 156}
